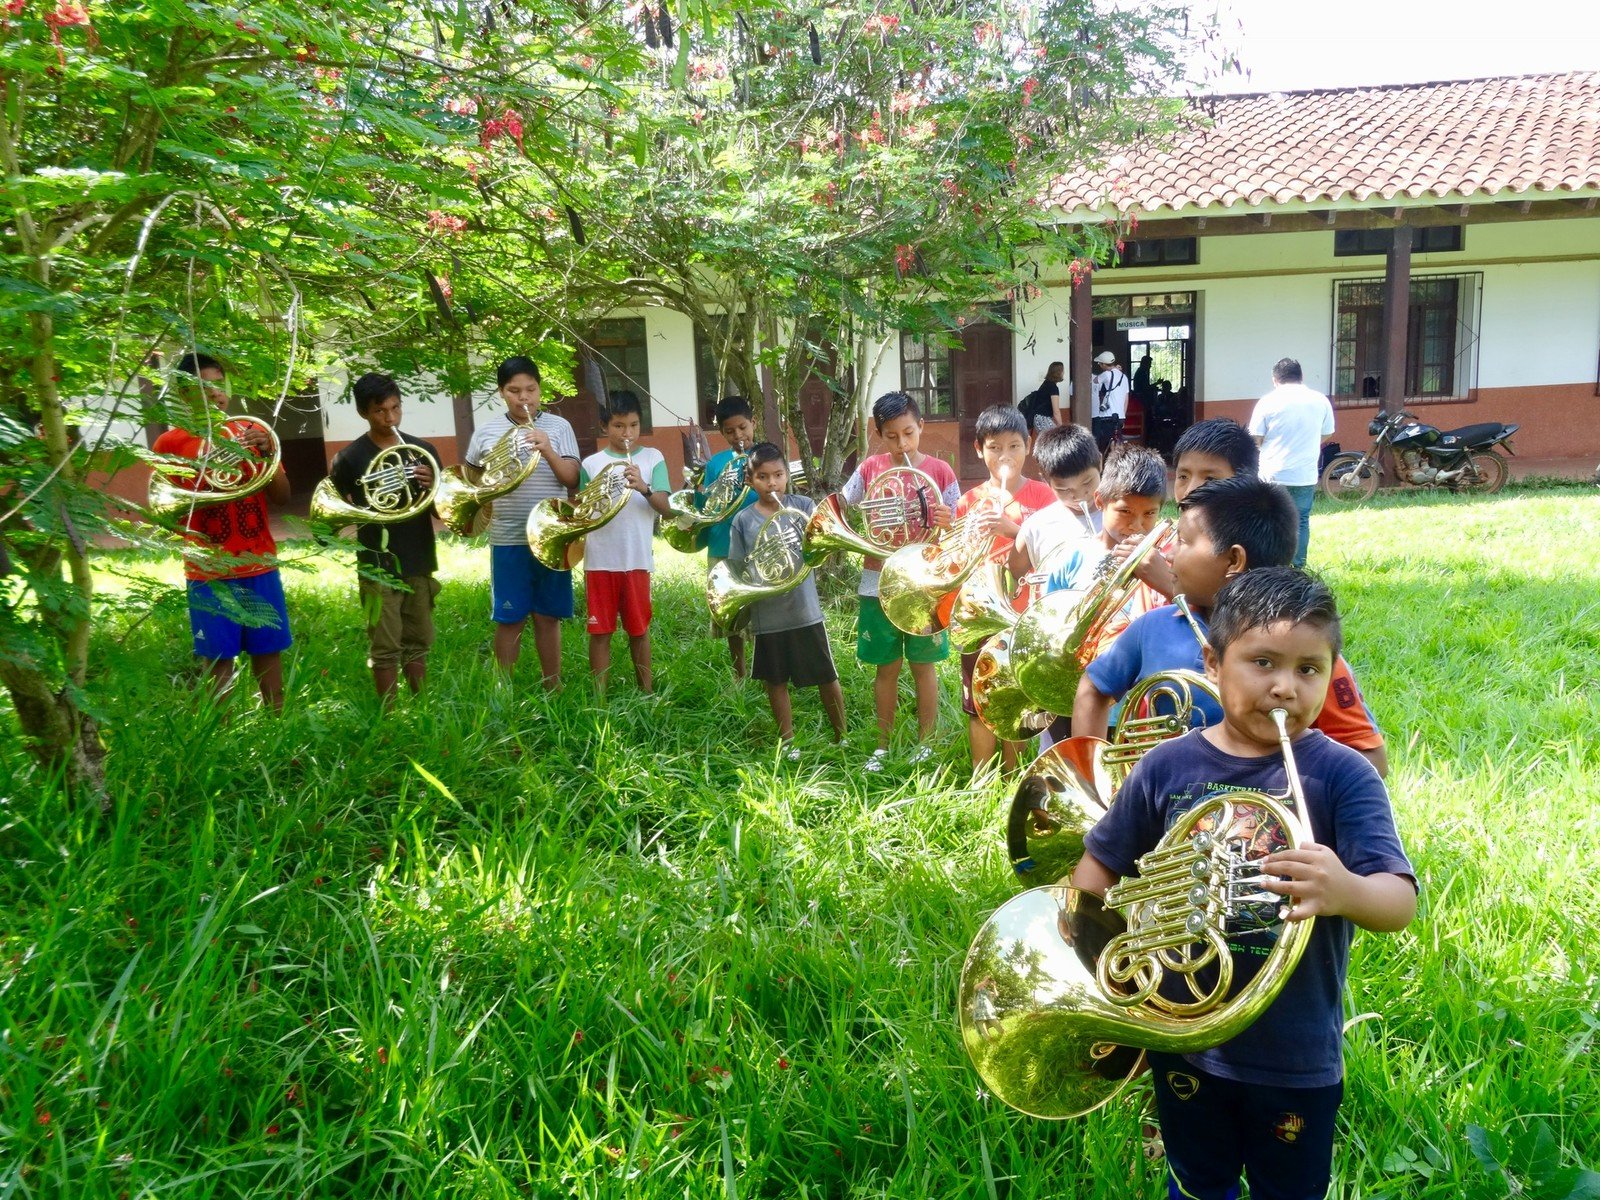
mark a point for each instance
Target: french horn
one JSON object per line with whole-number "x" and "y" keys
{"x": 1061, "y": 992}
{"x": 226, "y": 470}
{"x": 1058, "y": 636}
{"x": 896, "y": 511}
{"x": 507, "y": 465}
{"x": 389, "y": 485}
{"x": 691, "y": 511}
{"x": 777, "y": 564}
{"x": 984, "y": 606}
{"x": 557, "y": 527}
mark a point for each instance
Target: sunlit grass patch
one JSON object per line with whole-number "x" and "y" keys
{"x": 498, "y": 943}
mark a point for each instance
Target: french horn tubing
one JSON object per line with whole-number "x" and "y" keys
{"x": 507, "y": 465}
{"x": 1061, "y": 992}
{"x": 226, "y": 470}
{"x": 896, "y": 511}
{"x": 557, "y": 526}
{"x": 389, "y": 486}
{"x": 776, "y": 565}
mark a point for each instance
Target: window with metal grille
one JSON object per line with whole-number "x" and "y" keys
{"x": 623, "y": 353}
{"x": 1441, "y": 339}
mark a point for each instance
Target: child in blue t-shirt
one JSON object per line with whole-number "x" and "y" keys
{"x": 736, "y": 421}
{"x": 1263, "y": 1104}
{"x": 1225, "y": 528}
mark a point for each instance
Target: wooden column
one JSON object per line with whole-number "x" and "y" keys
{"x": 1396, "y": 319}
{"x": 1082, "y": 349}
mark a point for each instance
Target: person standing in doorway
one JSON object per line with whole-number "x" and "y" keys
{"x": 1110, "y": 400}
{"x": 1290, "y": 424}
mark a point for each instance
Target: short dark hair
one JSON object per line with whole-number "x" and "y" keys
{"x": 765, "y": 452}
{"x": 998, "y": 419}
{"x": 1250, "y": 512}
{"x": 194, "y": 362}
{"x": 517, "y": 364}
{"x": 1132, "y": 470}
{"x": 891, "y": 405}
{"x": 622, "y": 403}
{"x": 373, "y": 388}
{"x": 1065, "y": 451}
{"x": 1257, "y": 599}
{"x": 1287, "y": 370}
{"x": 733, "y": 406}
{"x": 1224, "y": 438}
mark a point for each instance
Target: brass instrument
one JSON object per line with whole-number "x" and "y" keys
{"x": 895, "y": 512}
{"x": 918, "y": 584}
{"x": 1167, "y": 701}
{"x": 777, "y": 564}
{"x": 226, "y": 470}
{"x": 1074, "y": 988}
{"x": 389, "y": 485}
{"x": 464, "y": 507}
{"x": 557, "y": 527}
{"x": 1055, "y": 640}
{"x": 1001, "y": 703}
{"x": 685, "y": 526}
{"x": 983, "y": 607}
{"x": 1063, "y": 794}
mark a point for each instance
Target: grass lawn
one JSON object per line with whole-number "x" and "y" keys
{"x": 499, "y": 944}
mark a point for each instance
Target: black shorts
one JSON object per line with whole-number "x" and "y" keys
{"x": 795, "y": 656}
{"x": 1215, "y": 1130}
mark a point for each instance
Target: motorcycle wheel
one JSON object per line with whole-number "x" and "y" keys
{"x": 1346, "y": 481}
{"x": 1486, "y": 475}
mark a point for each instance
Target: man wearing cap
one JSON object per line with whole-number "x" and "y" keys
{"x": 1110, "y": 400}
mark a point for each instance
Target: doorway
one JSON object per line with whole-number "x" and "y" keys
{"x": 981, "y": 372}
{"x": 1163, "y": 326}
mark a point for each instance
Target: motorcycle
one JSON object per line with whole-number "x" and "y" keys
{"x": 1463, "y": 460}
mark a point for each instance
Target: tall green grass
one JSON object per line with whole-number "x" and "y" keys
{"x": 502, "y": 944}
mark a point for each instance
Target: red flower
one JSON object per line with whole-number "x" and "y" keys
{"x": 577, "y": 1036}
{"x": 383, "y": 1055}
{"x": 783, "y": 1064}
{"x": 1029, "y": 85}
{"x": 42, "y": 1116}
{"x": 272, "y": 1130}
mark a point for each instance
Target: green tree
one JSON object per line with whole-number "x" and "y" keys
{"x": 804, "y": 182}
{"x": 270, "y": 183}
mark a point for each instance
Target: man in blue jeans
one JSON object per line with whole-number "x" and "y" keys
{"x": 1290, "y": 424}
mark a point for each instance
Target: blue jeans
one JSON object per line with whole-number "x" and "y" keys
{"x": 1302, "y": 497}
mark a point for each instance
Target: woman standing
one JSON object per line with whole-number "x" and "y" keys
{"x": 1042, "y": 406}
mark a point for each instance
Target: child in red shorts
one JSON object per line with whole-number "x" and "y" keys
{"x": 620, "y": 555}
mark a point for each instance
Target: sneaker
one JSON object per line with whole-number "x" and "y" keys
{"x": 876, "y": 761}
{"x": 791, "y": 752}
{"x": 921, "y": 754}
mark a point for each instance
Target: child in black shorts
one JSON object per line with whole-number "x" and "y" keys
{"x": 791, "y": 641}
{"x": 1262, "y": 1104}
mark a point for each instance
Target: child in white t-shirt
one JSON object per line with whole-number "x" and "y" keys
{"x": 620, "y": 555}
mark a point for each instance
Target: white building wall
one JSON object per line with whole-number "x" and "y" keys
{"x": 1266, "y": 296}
{"x": 427, "y": 409}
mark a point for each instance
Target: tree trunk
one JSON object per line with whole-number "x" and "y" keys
{"x": 56, "y": 732}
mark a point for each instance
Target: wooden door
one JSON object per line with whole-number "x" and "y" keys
{"x": 981, "y": 369}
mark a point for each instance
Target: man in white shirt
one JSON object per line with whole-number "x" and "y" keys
{"x": 1109, "y": 405}
{"x": 1290, "y": 424}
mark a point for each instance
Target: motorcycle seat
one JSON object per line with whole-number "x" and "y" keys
{"x": 1476, "y": 435}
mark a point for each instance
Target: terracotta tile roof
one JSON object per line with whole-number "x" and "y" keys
{"x": 1475, "y": 137}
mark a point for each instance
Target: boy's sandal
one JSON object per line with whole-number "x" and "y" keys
{"x": 1150, "y": 1139}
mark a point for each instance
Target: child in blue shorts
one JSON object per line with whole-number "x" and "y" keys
{"x": 1262, "y": 1105}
